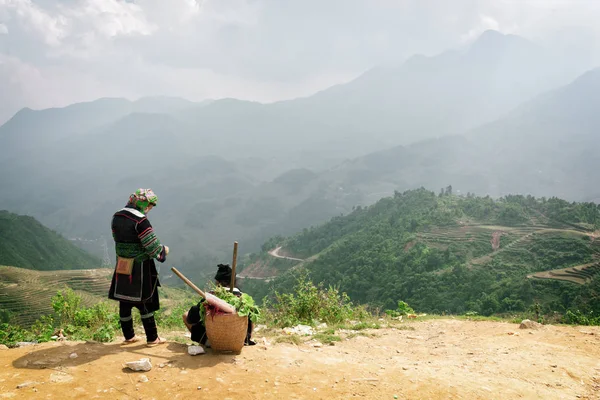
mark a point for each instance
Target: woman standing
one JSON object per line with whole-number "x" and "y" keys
{"x": 135, "y": 280}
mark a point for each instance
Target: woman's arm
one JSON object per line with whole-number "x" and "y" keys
{"x": 150, "y": 241}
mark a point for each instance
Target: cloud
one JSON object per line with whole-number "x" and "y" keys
{"x": 31, "y": 18}
{"x": 107, "y": 18}
{"x": 253, "y": 49}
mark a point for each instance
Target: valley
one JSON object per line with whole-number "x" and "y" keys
{"x": 279, "y": 168}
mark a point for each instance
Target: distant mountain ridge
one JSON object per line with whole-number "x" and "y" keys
{"x": 424, "y": 97}
{"x": 544, "y": 147}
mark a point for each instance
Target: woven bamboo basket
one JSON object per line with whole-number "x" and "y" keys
{"x": 226, "y": 332}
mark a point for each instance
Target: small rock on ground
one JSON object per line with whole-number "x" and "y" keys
{"x": 528, "y": 324}
{"x": 26, "y": 384}
{"x": 60, "y": 378}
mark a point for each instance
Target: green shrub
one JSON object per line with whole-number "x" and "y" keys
{"x": 309, "y": 304}
{"x": 43, "y": 329}
{"x": 5, "y": 316}
{"x": 11, "y": 334}
{"x": 99, "y": 322}
{"x": 579, "y": 318}
{"x": 403, "y": 309}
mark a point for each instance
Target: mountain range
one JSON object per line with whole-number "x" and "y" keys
{"x": 501, "y": 116}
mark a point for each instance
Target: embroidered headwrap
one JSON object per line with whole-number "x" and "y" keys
{"x": 142, "y": 198}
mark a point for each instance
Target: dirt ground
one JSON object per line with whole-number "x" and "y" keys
{"x": 439, "y": 359}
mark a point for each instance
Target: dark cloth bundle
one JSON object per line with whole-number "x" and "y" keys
{"x": 223, "y": 273}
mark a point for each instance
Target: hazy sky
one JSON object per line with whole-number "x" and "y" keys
{"x": 53, "y": 53}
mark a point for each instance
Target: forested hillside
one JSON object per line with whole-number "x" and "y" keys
{"x": 448, "y": 253}
{"x": 26, "y": 243}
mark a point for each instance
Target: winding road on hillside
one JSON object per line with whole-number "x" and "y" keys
{"x": 257, "y": 278}
{"x": 275, "y": 253}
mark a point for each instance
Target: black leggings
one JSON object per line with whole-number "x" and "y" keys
{"x": 126, "y": 320}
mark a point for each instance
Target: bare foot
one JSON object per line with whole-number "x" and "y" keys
{"x": 158, "y": 341}
{"x": 132, "y": 340}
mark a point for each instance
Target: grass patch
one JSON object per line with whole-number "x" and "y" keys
{"x": 482, "y": 318}
{"x": 178, "y": 339}
{"x": 405, "y": 328}
{"x": 291, "y": 339}
{"x": 364, "y": 334}
{"x": 327, "y": 338}
{"x": 362, "y": 326}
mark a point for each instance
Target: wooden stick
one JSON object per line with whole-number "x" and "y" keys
{"x": 233, "y": 264}
{"x": 186, "y": 280}
{"x": 211, "y": 299}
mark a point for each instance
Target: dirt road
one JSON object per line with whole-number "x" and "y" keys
{"x": 439, "y": 359}
{"x": 275, "y": 253}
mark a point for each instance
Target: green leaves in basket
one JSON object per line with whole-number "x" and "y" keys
{"x": 244, "y": 305}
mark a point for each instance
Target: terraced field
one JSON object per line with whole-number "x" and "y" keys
{"x": 27, "y": 293}
{"x": 478, "y": 238}
{"x": 581, "y": 274}
{"x": 515, "y": 245}
{"x": 470, "y": 233}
